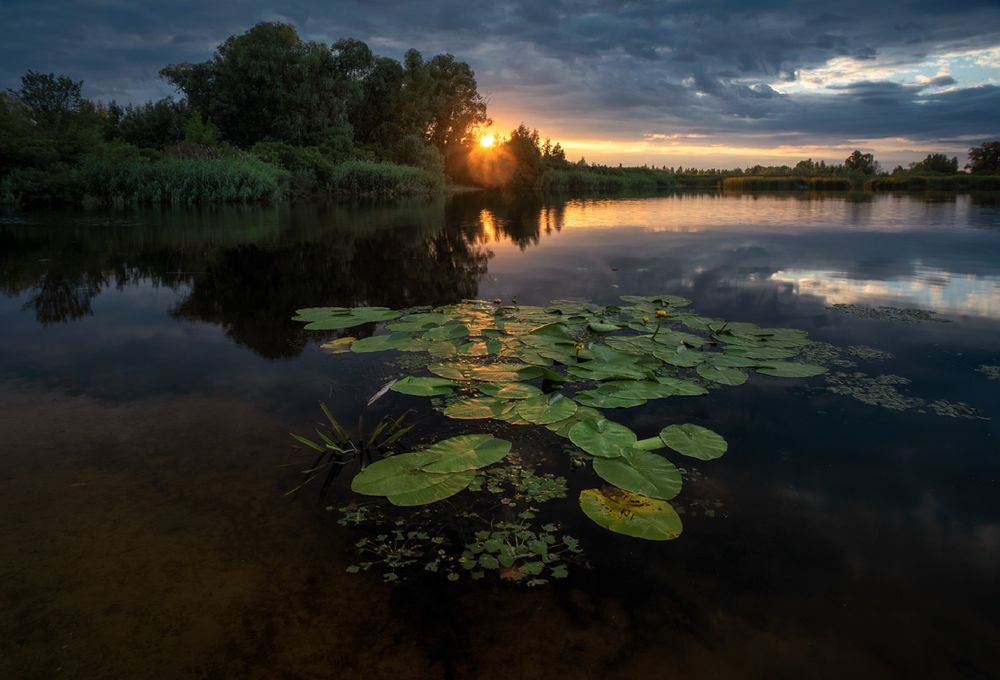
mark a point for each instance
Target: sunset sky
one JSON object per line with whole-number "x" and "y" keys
{"x": 706, "y": 83}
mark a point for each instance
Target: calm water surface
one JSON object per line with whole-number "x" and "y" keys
{"x": 149, "y": 375}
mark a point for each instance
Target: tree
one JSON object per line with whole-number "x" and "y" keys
{"x": 936, "y": 162}
{"x": 268, "y": 83}
{"x": 52, "y": 99}
{"x": 525, "y": 155}
{"x": 984, "y": 159}
{"x": 861, "y": 162}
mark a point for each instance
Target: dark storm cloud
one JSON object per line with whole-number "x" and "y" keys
{"x": 594, "y": 68}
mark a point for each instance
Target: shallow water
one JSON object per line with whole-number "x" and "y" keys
{"x": 150, "y": 373}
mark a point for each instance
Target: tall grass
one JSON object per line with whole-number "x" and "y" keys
{"x": 935, "y": 183}
{"x": 233, "y": 179}
{"x": 368, "y": 178}
{"x": 578, "y": 180}
{"x": 755, "y": 183}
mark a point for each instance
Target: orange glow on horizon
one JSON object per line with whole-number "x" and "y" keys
{"x": 486, "y": 141}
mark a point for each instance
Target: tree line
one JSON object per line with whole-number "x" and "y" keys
{"x": 271, "y": 115}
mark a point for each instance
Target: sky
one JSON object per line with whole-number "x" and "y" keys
{"x": 695, "y": 83}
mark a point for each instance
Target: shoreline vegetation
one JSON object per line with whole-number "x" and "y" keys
{"x": 272, "y": 118}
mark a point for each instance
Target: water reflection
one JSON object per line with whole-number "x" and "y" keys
{"x": 245, "y": 269}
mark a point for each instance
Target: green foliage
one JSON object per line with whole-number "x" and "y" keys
{"x": 53, "y": 100}
{"x": 150, "y": 126}
{"x": 383, "y": 179}
{"x": 861, "y": 162}
{"x": 960, "y": 182}
{"x": 267, "y": 83}
{"x": 592, "y": 179}
{"x": 493, "y": 350}
{"x": 337, "y": 446}
{"x": 761, "y": 183}
{"x": 936, "y": 163}
{"x": 984, "y": 159}
{"x": 127, "y": 180}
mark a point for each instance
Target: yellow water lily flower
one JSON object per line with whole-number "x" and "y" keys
{"x": 661, "y": 312}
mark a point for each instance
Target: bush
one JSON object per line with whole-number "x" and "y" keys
{"x": 310, "y": 170}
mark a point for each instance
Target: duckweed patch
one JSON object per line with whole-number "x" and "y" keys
{"x": 900, "y": 314}
{"x": 869, "y": 353}
{"x": 991, "y": 372}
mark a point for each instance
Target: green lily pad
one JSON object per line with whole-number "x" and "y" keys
{"x": 789, "y": 369}
{"x": 641, "y": 472}
{"x": 631, "y": 514}
{"x": 603, "y": 438}
{"x": 608, "y": 370}
{"x": 333, "y": 318}
{"x": 464, "y": 452}
{"x": 423, "y": 387}
{"x": 396, "y": 475}
{"x": 694, "y": 441}
{"x": 682, "y": 388}
{"x": 475, "y": 408}
{"x": 380, "y": 343}
{"x": 598, "y": 399}
{"x": 562, "y": 427}
{"x": 724, "y": 376}
{"x": 546, "y": 408}
{"x": 447, "y": 486}
{"x": 510, "y": 391}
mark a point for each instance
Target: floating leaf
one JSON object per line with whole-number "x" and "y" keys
{"x": 395, "y": 475}
{"x": 788, "y": 369}
{"x": 641, "y": 472}
{"x": 464, "y": 452}
{"x": 476, "y": 408}
{"x": 546, "y": 408}
{"x": 603, "y": 327}
{"x": 603, "y": 438}
{"x": 448, "y": 485}
{"x": 724, "y": 376}
{"x": 631, "y": 514}
{"x": 694, "y": 440}
{"x": 333, "y": 318}
{"x": 424, "y": 387}
{"x": 380, "y": 343}
{"x": 510, "y": 391}
{"x": 598, "y": 399}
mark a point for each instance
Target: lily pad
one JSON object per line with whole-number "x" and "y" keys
{"x": 423, "y": 387}
{"x": 641, "y": 472}
{"x": 464, "y": 452}
{"x": 694, "y": 441}
{"x": 631, "y": 514}
{"x": 789, "y": 369}
{"x": 603, "y": 438}
{"x": 333, "y": 318}
{"x": 510, "y": 391}
{"x": 475, "y": 408}
{"x": 546, "y": 408}
{"x": 445, "y": 487}
{"x": 722, "y": 375}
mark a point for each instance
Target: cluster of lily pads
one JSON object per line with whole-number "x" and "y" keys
{"x": 555, "y": 366}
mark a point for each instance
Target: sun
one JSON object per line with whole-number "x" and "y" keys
{"x": 487, "y": 141}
